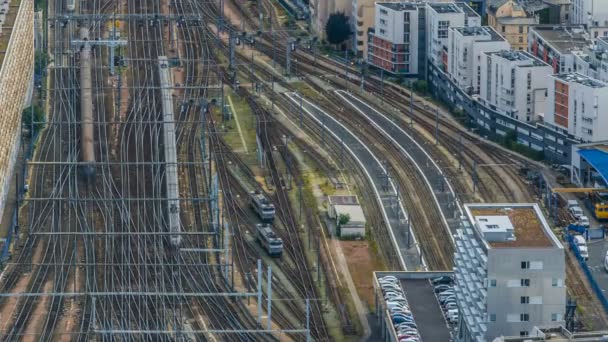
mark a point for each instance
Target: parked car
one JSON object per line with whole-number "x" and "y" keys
{"x": 606, "y": 261}
{"x": 443, "y": 280}
{"x": 581, "y": 244}
{"x": 583, "y": 221}
{"x": 573, "y": 203}
{"x": 577, "y": 212}
{"x": 441, "y": 288}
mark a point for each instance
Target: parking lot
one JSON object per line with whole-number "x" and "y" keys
{"x": 426, "y": 310}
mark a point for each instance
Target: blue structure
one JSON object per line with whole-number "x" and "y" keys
{"x": 590, "y": 165}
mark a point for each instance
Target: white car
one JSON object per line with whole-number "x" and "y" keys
{"x": 577, "y": 212}
{"x": 583, "y": 221}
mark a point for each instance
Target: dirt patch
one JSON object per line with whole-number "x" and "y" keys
{"x": 39, "y": 315}
{"x": 361, "y": 264}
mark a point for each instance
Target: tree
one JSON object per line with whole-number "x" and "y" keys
{"x": 337, "y": 28}
{"x": 37, "y": 114}
{"x": 40, "y": 62}
{"x": 342, "y": 220}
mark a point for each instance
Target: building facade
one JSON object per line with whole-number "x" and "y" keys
{"x": 393, "y": 42}
{"x": 510, "y": 272}
{"x": 515, "y": 83}
{"x": 320, "y": 10}
{"x": 465, "y": 48}
{"x": 554, "y": 45}
{"x": 593, "y": 13}
{"x": 512, "y": 21}
{"x": 578, "y": 105}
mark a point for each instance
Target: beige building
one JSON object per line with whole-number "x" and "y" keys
{"x": 511, "y": 20}
{"x": 320, "y": 10}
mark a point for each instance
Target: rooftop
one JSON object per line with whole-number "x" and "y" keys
{"x": 468, "y": 11}
{"x": 448, "y": 7}
{"x": 355, "y": 212}
{"x": 519, "y": 56}
{"x": 480, "y": 31}
{"x": 511, "y": 225}
{"x": 563, "y": 38}
{"x": 343, "y": 199}
{"x": 574, "y": 77}
{"x": 399, "y": 6}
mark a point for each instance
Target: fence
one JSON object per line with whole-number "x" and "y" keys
{"x": 594, "y": 285}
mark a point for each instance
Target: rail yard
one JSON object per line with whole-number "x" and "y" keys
{"x": 178, "y": 189}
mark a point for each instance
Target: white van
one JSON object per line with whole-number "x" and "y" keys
{"x": 572, "y": 203}
{"x": 577, "y": 212}
{"x": 580, "y": 242}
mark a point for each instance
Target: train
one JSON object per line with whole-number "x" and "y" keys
{"x": 262, "y": 206}
{"x": 296, "y": 9}
{"x": 598, "y": 205}
{"x": 267, "y": 238}
{"x": 71, "y": 5}
{"x": 87, "y": 131}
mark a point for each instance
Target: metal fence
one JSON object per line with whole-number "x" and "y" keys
{"x": 594, "y": 285}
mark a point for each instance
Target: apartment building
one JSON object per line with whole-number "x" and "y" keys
{"x": 592, "y": 13}
{"x": 592, "y": 60}
{"x": 554, "y": 45}
{"x": 512, "y": 21}
{"x": 439, "y": 18}
{"x": 393, "y": 42}
{"x": 578, "y": 106}
{"x": 510, "y": 272}
{"x": 466, "y": 46}
{"x": 514, "y": 83}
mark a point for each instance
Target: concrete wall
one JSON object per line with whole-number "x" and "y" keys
{"x": 15, "y": 78}
{"x": 490, "y": 123}
{"x": 504, "y": 265}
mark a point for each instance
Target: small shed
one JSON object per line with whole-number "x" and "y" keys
{"x": 347, "y": 205}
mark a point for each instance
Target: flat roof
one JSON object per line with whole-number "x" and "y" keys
{"x": 518, "y": 55}
{"x": 563, "y": 38}
{"x": 581, "y": 79}
{"x": 399, "y": 6}
{"x": 343, "y": 199}
{"x": 480, "y": 31}
{"x": 598, "y": 159}
{"x": 447, "y": 7}
{"x": 530, "y": 228}
{"x": 421, "y": 299}
{"x": 468, "y": 11}
{"x": 354, "y": 211}
{"x": 426, "y": 310}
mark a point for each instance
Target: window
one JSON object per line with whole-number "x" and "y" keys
{"x": 442, "y": 30}
{"x": 523, "y": 333}
{"x": 382, "y": 31}
{"x": 524, "y": 317}
{"x": 556, "y": 317}
{"x": 503, "y": 29}
{"x": 525, "y": 264}
{"x": 383, "y": 22}
{"x": 521, "y": 30}
{"x": 525, "y": 282}
{"x": 524, "y": 300}
{"x": 492, "y": 282}
{"x": 521, "y": 40}
{"x": 555, "y": 282}
{"x": 492, "y": 317}
{"x": 383, "y": 11}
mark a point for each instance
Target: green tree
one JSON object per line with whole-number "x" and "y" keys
{"x": 337, "y": 28}
{"x": 38, "y": 116}
{"x": 41, "y": 61}
{"x": 342, "y": 220}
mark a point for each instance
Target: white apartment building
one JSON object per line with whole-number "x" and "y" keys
{"x": 592, "y": 60}
{"x": 555, "y": 44}
{"x": 515, "y": 83}
{"x": 593, "y": 13}
{"x": 578, "y": 105}
{"x": 510, "y": 272}
{"x": 465, "y": 48}
{"x": 439, "y": 18}
{"x": 393, "y": 43}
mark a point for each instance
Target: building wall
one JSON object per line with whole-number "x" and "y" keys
{"x": 465, "y": 53}
{"x": 514, "y": 87}
{"x": 363, "y": 17}
{"x": 504, "y": 300}
{"x": 589, "y": 12}
{"x": 580, "y": 110}
{"x": 15, "y": 78}
{"x": 555, "y": 143}
{"x": 515, "y": 34}
{"x": 321, "y": 10}
{"x": 437, "y": 37}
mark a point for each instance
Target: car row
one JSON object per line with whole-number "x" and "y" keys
{"x": 577, "y": 212}
{"x": 444, "y": 291}
{"x": 399, "y": 311}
